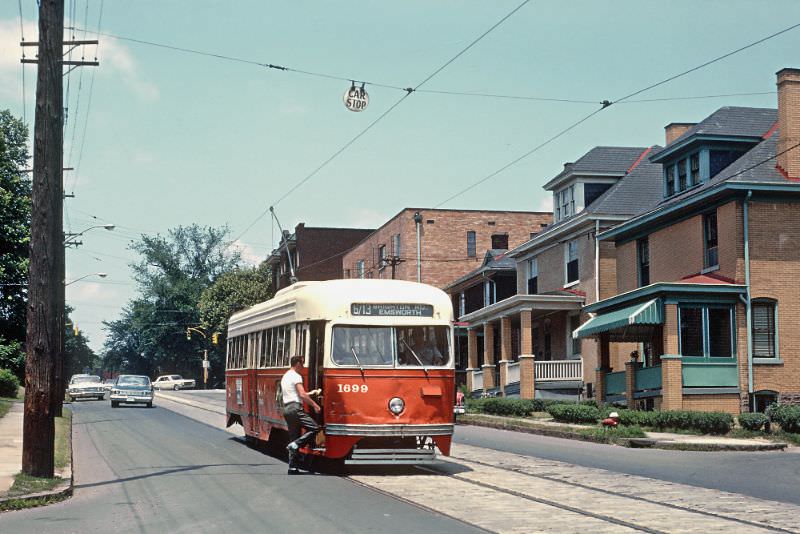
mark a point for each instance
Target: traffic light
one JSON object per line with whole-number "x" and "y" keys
{"x": 76, "y": 331}
{"x": 215, "y": 338}
{"x": 188, "y": 334}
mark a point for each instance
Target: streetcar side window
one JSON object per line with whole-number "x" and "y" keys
{"x": 273, "y": 347}
{"x": 281, "y": 344}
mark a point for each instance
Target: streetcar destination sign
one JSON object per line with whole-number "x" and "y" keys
{"x": 391, "y": 310}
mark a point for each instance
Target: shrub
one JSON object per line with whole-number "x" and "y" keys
{"x": 705, "y": 422}
{"x": 785, "y": 415}
{"x": 573, "y": 413}
{"x": 505, "y": 406}
{"x": 753, "y": 421}
{"x": 9, "y": 384}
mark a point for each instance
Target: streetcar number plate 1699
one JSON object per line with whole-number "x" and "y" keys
{"x": 353, "y": 388}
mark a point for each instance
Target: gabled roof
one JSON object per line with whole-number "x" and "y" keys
{"x": 639, "y": 189}
{"x": 726, "y": 122}
{"x": 495, "y": 260}
{"x": 608, "y": 160}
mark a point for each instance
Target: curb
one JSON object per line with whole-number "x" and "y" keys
{"x": 199, "y": 405}
{"x": 635, "y": 443}
{"x": 61, "y": 492}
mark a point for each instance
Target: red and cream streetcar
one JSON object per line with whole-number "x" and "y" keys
{"x": 379, "y": 350}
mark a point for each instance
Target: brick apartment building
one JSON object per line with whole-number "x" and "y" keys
{"x": 523, "y": 344}
{"x": 707, "y": 281}
{"x": 316, "y": 253}
{"x": 452, "y": 243}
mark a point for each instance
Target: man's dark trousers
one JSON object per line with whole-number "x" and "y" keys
{"x": 296, "y": 419}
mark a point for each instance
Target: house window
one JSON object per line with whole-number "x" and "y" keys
{"x": 572, "y": 261}
{"x": 360, "y": 268}
{"x": 533, "y": 276}
{"x": 572, "y": 324}
{"x": 396, "y": 245}
{"x": 682, "y": 175}
{"x": 706, "y": 331}
{"x": 694, "y": 169}
{"x": 669, "y": 180}
{"x": 471, "y": 244}
{"x": 764, "y": 333}
{"x": 565, "y": 203}
{"x": 711, "y": 258}
{"x": 462, "y": 304}
{"x": 487, "y": 293}
{"x": 591, "y": 192}
{"x": 643, "y": 257}
{"x": 382, "y": 257}
{"x": 500, "y": 241}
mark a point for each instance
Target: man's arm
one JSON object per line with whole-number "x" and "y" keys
{"x": 301, "y": 391}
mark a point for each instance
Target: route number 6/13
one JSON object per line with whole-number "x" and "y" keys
{"x": 354, "y": 388}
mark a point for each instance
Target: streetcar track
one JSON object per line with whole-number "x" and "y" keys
{"x": 617, "y": 494}
{"x": 548, "y": 502}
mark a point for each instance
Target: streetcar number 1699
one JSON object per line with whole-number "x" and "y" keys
{"x": 353, "y": 388}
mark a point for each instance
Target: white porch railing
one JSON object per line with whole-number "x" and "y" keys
{"x": 559, "y": 370}
{"x": 512, "y": 373}
{"x": 477, "y": 380}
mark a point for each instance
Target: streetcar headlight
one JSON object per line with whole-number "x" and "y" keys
{"x": 397, "y": 405}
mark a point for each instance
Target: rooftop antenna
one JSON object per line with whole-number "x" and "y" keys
{"x": 292, "y": 277}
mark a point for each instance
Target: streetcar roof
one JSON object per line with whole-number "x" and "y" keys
{"x": 331, "y": 300}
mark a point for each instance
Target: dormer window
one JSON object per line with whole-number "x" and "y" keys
{"x": 565, "y": 203}
{"x": 695, "y": 168}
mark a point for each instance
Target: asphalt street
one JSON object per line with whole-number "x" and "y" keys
{"x": 154, "y": 470}
{"x": 767, "y": 475}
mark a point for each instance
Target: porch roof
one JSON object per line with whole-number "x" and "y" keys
{"x": 649, "y": 313}
{"x": 671, "y": 292}
{"x": 519, "y": 303}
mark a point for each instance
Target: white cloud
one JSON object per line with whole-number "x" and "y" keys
{"x": 545, "y": 203}
{"x": 91, "y": 292}
{"x": 250, "y": 254}
{"x": 117, "y": 57}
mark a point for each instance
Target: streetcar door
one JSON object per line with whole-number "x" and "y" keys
{"x": 315, "y": 342}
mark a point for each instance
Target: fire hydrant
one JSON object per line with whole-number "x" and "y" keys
{"x": 611, "y": 421}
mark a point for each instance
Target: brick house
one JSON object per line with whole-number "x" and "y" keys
{"x": 707, "y": 281}
{"x": 451, "y": 243}
{"x": 316, "y": 253}
{"x": 524, "y": 342}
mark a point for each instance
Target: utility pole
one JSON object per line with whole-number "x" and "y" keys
{"x": 45, "y": 277}
{"x": 394, "y": 261}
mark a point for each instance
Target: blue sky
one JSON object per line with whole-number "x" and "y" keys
{"x": 174, "y": 138}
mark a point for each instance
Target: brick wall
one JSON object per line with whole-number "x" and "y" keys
{"x": 627, "y": 268}
{"x": 443, "y": 242}
{"x": 712, "y": 403}
{"x": 774, "y": 273}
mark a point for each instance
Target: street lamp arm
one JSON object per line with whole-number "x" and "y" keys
{"x": 101, "y": 275}
{"x": 70, "y": 237}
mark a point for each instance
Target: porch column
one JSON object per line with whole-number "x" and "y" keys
{"x": 488, "y": 356}
{"x": 603, "y": 367}
{"x": 527, "y": 361}
{"x": 630, "y": 381}
{"x": 505, "y": 351}
{"x": 671, "y": 382}
{"x": 472, "y": 356}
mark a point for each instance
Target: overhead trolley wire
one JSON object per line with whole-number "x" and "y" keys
{"x": 606, "y": 104}
{"x": 380, "y": 117}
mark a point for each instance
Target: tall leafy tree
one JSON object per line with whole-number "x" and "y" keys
{"x": 174, "y": 269}
{"x": 233, "y": 291}
{"x": 15, "y": 223}
{"x": 76, "y": 346}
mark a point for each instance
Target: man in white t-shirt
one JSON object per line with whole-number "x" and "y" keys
{"x": 296, "y": 418}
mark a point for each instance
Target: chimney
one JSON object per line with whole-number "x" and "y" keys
{"x": 789, "y": 122}
{"x": 674, "y": 130}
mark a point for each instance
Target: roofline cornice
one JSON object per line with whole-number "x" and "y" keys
{"x": 692, "y": 139}
{"x": 659, "y": 288}
{"x": 545, "y": 237}
{"x": 561, "y": 178}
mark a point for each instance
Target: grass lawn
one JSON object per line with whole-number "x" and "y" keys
{"x": 5, "y": 402}
{"x": 26, "y": 485}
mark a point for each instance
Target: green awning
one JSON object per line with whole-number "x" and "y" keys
{"x": 647, "y": 313}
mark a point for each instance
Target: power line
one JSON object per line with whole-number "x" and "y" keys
{"x": 606, "y": 104}
{"x": 384, "y": 114}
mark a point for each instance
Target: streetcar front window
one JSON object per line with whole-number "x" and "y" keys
{"x": 362, "y": 346}
{"x": 425, "y": 346}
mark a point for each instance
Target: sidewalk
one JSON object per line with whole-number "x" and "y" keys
{"x": 10, "y": 445}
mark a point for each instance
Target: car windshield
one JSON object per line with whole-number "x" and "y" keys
{"x": 133, "y": 381}
{"x": 84, "y": 379}
{"x": 369, "y": 346}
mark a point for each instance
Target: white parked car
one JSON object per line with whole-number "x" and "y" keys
{"x": 174, "y": 382}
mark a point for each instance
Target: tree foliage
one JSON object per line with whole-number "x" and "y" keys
{"x": 12, "y": 357}
{"x": 15, "y": 223}
{"x": 174, "y": 270}
{"x": 233, "y": 291}
{"x": 76, "y": 348}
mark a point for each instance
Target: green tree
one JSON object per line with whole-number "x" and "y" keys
{"x": 149, "y": 338}
{"x": 233, "y": 291}
{"x": 15, "y": 223}
{"x": 76, "y": 347}
{"x": 12, "y": 357}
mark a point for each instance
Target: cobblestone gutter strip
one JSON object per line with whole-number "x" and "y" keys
{"x": 571, "y": 432}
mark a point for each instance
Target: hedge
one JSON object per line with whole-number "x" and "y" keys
{"x": 705, "y": 422}
{"x": 9, "y": 384}
{"x": 574, "y": 413}
{"x": 753, "y": 421}
{"x": 785, "y": 415}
